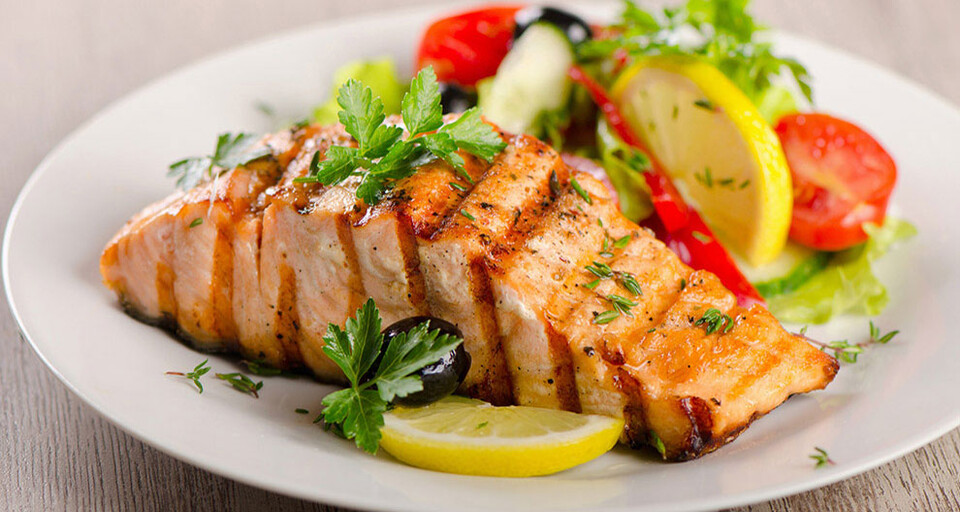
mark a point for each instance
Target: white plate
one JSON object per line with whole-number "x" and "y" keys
{"x": 896, "y": 399}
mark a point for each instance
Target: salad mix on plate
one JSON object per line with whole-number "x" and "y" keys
{"x": 688, "y": 118}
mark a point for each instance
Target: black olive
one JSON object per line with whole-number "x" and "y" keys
{"x": 441, "y": 378}
{"x": 455, "y": 99}
{"x": 576, "y": 30}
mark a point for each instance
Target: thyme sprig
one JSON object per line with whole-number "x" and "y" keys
{"x": 241, "y": 382}
{"x": 849, "y": 352}
{"x": 714, "y": 320}
{"x": 603, "y": 271}
{"x": 198, "y": 371}
{"x": 821, "y": 458}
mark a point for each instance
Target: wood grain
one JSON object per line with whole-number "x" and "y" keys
{"x": 64, "y": 61}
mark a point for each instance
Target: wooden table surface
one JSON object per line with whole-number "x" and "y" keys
{"x": 62, "y": 61}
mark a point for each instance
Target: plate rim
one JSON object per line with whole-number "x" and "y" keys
{"x": 905, "y": 446}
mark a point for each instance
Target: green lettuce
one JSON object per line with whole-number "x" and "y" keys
{"x": 625, "y": 167}
{"x": 379, "y": 74}
{"x": 847, "y": 284}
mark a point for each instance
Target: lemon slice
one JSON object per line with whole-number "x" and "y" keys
{"x": 470, "y": 437}
{"x": 720, "y": 151}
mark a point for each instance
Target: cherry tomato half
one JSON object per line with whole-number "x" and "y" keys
{"x": 842, "y": 178}
{"x": 469, "y": 46}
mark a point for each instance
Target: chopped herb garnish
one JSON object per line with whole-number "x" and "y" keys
{"x": 606, "y": 317}
{"x": 583, "y": 193}
{"x": 702, "y": 237}
{"x": 621, "y": 242}
{"x": 261, "y": 368}
{"x": 357, "y": 411}
{"x": 231, "y": 151}
{"x": 467, "y": 215}
{"x": 301, "y": 411}
{"x": 683, "y": 284}
{"x": 726, "y": 182}
{"x": 714, "y": 320}
{"x": 196, "y": 222}
{"x": 241, "y": 382}
{"x": 745, "y": 184}
{"x": 265, "y": 109}
{"x": 482, "y": 424}
{"x": 705, "y": 104}
{"x": 604, "y": 271}
{"x": 706, "y": 178}
{"x": 458, "y": 186}
{"x": 821, "y": 457}
{"x": 198, "y": 371}
{"x": 676, "y": 111}
{"x": 383, "y": 156}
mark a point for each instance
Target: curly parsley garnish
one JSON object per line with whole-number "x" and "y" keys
{"x": 357, "y": 411}
{"x": 231, "y": 151}
{"x": 383, "y": 155}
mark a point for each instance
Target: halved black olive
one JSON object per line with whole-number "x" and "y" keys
{"x": 576, "y": 30}
{"x": 455, "y": 99}
{"x": 441, "y": 378}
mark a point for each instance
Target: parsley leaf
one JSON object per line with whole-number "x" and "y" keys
{"x": 474, "y": 136}
{"x": 232, "y": 151}
{"x": 383, "y": 156}
{"x": 357, "y": 411}
{"x": 420, "y": 107}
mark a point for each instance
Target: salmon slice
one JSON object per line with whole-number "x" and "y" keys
{"x": 385, "y": 237}
{"x": 173, "y": 263}
{"x": 500, "y": 208}
{"x": 526, "y": 280}
{"x": 701, "y": 391}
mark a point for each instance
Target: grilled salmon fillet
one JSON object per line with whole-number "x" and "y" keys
{"x": 254, "y": 263}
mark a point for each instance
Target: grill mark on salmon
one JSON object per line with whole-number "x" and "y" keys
{"x": 457, "y": 287}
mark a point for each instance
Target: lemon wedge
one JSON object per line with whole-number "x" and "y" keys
{"x": 716, "y": 146}
{"x": 470, "y": 437}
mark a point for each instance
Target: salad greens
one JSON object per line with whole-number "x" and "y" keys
{"x": 846, "y": 285}
{"x": 722, "y": 32}
{"x": 380, "y": 75}
{"x": 625, "y": 167}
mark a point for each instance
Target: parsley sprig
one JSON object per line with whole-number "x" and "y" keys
{"x": 383, "y": 156}
{"x": 231, "y": 151}
{"x": 357, "y": 411}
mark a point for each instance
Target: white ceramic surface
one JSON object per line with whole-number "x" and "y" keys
{"x": 897, "y": 397}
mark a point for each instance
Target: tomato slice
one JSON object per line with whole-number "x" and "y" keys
{"x": 468, "y": 46}
{"x": 842, "y": 178}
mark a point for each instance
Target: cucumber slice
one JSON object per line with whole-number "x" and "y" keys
{"x": 531, "y": 79}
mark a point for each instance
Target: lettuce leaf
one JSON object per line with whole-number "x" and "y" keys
{"x": 625, "y": 171}
{"x": 847, "y": 284}
{"x": 379, "y": 74}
